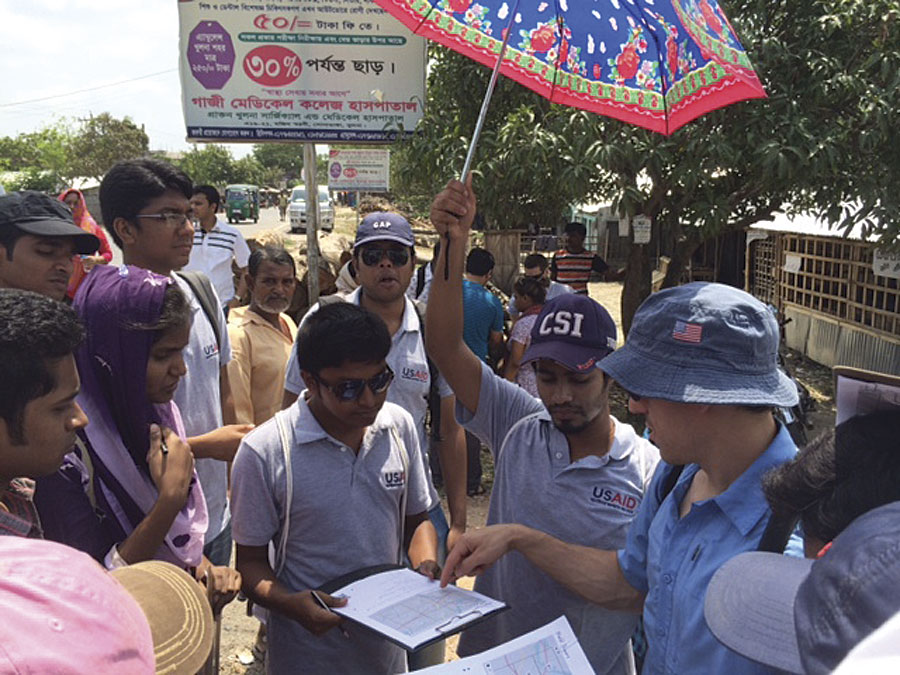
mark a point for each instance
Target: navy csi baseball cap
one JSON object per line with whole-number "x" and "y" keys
{"x": 803, "y": 615}
{"x": 43, "y": 216}
{"x": 703, "y": 343}
{"x": 383, "y": 226}
{"x": 572, "y": 330}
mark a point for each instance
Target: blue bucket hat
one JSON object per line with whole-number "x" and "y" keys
{"x": 383, "y": 226}
{"x": 573, "y": 330}
{"x": 804, "y": 616}
{"x": 703, "y": 343}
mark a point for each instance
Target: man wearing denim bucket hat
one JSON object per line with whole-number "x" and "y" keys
{"x": 700, "y": 365}
{"x": 562, "y": 464}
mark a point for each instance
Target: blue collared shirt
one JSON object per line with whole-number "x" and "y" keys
{"x": 672, "y": 559}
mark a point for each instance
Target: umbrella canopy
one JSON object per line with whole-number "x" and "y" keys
{"x": 657, "y": 64}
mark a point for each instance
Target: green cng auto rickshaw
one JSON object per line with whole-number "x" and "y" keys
{"x": 242, "y": 203}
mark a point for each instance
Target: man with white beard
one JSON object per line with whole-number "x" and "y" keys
{"x": 262, "y": 336}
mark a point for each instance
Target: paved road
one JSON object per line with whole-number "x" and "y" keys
{"x": 268, "y": 220}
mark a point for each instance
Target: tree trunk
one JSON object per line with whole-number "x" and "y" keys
{"x": 637, "y": 283}
{"x": 684, "y": 249}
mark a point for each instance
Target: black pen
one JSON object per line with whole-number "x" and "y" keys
{"x": 321, "y": 603}
{"x": 163, "y": 447}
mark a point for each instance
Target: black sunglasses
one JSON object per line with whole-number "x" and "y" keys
{"x": 350, "y": 390}
{"x": 373, "y": 256}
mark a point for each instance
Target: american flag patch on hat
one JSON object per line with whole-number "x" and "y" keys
{"x": 687, "y": 332}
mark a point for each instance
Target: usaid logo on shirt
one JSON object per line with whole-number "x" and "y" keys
{"x": 411, "y": 373}
{"x": 615, "y": 499}
{"x": 393, "y": 480}
{"x": 211, "y": 350}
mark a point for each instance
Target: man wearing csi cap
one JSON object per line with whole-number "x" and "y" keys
{"x": 700, "y": 365}
{"x": 562, "y": 464}
{"x": 38, "y": 239}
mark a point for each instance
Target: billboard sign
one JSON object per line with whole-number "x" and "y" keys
{"x": 301, "y": 70}
{"x": 365, "y": 170}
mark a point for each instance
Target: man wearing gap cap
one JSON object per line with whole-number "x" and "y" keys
{"x": 384, "y": 258}
{"x": 700, "y": 363}
{"x": 562, "y": 464}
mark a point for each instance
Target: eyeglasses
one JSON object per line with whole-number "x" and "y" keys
{"x": 172, "y": 218}
{"x": 373, "y": 256}
{"x": 350, "y": 390}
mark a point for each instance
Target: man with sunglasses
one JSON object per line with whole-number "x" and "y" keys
{"x": 146, "y": 209}
{"x": 536, "y": 266}
{"x": 562, "y": 464}
{"x": 357, "y": 496}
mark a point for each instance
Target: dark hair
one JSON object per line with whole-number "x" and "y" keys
{"x": 129, "y": 185}
{"x": 341, "y": 332}
{"x": 535, "y": 260}
{"x": 174, "y": 313}
{"x": 36, "y": 332}
{"x": 479, "y": 262}
{"x": 208, "y": 191}
{"x": 578, "y": 228}
{"x": 531, "y": 288}
{"x": 274, "y": 254}
{"x": 8, "y": 237}
{"x": 839, "y": 476}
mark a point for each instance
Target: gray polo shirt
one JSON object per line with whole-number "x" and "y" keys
{"x": 590, "y": 502}
{"x": 407, "y": 359}
{"x": 345, "y": 514}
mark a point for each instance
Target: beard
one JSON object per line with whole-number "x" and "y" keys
{"x": 274, "y": 305}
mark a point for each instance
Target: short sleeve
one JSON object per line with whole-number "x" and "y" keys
{"x": 521, "y": 330}
{"x": 292, "y": 380}
{"x": 418, "y": 492}
{"x": 254, "y": 513}
{"x": 239, "y": 375}
{"x": 501, "y": 404}
{"x": 241, "y": 250}
{"x": 633, "y": 558}
{"x": 224, "y": 342}
{"x": 599, "y": 265}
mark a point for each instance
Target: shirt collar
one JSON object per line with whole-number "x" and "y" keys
{"x": 620, "y": 448}
{"x": 743, "y": 501}
{"x": 410, "y": 321}
{"x": 308, "y": 430}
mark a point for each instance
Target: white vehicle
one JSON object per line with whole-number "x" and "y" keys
{"x": 297, "y": 209}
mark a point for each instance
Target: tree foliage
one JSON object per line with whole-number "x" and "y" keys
{"x": 102, "y": 140}
{"x": 824, "y": 140}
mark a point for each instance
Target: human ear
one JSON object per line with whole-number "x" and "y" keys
{"x": 312, "y": 384}
{"x": 126, "y": 230}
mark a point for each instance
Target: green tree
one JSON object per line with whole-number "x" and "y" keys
{"x": 282, "y": 161}
{"x": 824, "y": 140}
{"x": 44, "y": 155}
{"x": 208, "y": 164}
{"x": 102, "y": 140}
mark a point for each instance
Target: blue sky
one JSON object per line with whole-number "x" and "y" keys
{"x": 54, "y": 47}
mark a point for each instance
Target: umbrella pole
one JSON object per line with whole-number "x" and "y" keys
{"x": 485, "y": 104}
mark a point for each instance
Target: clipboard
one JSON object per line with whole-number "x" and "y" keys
{"x": 407, "y": 609}
{"x": 858, "y": 392}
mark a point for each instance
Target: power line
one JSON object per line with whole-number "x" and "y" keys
{"x": 81, "y": 91}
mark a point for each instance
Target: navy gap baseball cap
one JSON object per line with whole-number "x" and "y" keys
{"x": 383, "y": 226}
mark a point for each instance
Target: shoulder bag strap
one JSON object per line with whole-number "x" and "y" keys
{"x": 281, "y": 549}
{"x": 404, "y": 460}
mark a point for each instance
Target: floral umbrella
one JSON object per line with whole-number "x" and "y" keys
{"x": 657, "y": 64}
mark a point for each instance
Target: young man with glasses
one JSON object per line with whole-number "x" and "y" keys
{"x": 146, "y": 208}
{"x": 384, "y": 257}
{"x": 536, "y": 266}
{"x": 337, "y": 483}
{"x": 562, "y": 464}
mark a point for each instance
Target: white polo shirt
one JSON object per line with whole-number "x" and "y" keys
{"x": 213, "y": 252}
{"x": 345, "y": 515}
{"x": 590, "y": 502}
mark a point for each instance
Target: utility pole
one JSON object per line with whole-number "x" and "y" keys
{"x": 312, "y": 221}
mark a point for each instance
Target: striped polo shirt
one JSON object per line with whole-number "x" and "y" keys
{"x": 574, "y": 269}
{"x": 212, "y": 254}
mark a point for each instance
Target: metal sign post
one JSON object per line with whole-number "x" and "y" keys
{"x": 312, "y": 221}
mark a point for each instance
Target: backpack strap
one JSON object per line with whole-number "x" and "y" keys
{"x": 434, "y": 394}
{"x": 203, "y": 290}
{"x": 281, "y": 549}
{"x": 404, "y": 460}
{"x": 420, "y": 279}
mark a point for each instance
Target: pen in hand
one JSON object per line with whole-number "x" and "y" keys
{"x": 321, "y": 603}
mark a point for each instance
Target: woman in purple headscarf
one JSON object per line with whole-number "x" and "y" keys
{"x": 128, "y": 491}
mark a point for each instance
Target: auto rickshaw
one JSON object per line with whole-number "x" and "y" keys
{"x": 242, "y": 203}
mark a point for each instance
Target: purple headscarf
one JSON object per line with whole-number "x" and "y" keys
{"x": 113, "y": 302}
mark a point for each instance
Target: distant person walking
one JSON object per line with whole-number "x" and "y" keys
{"x": 82, "y": 264}
{"x": 574, "y": 264}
